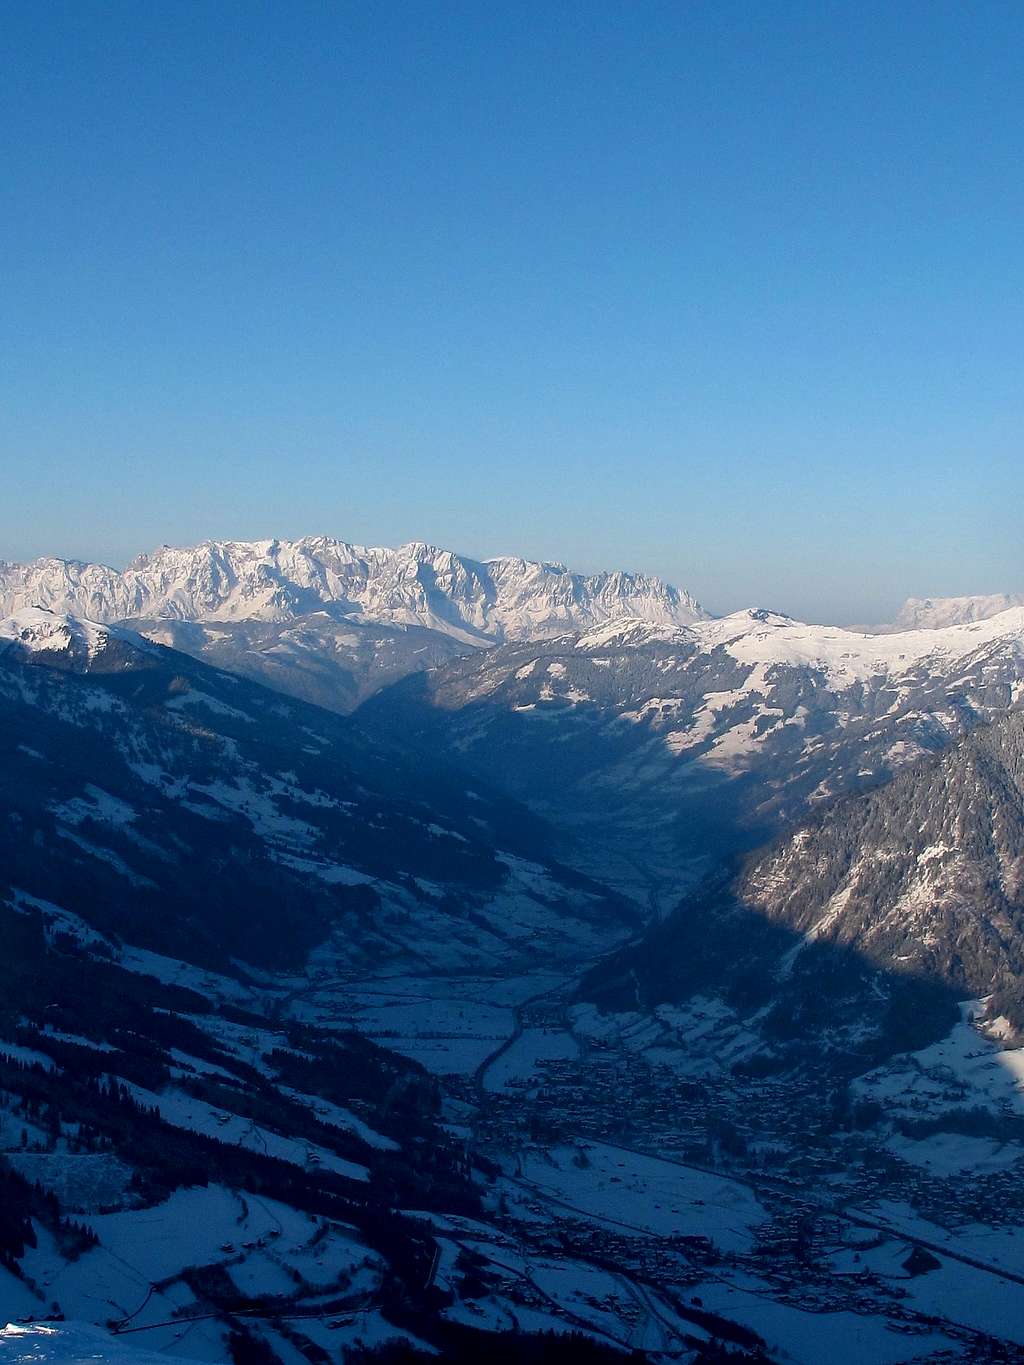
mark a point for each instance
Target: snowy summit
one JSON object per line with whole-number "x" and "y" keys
{"x": 414, "y": 585}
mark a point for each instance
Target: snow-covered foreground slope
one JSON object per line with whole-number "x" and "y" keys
{"x": 189, "y": 1173}
{"x": 669, "y": 743}
{"x": 71, "y": 1343}
{"x": 184, "y": 1165}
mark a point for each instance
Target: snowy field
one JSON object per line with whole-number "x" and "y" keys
{"x": 701, "y": 1038}
{"x": 945, "y": 1154}
{"x": 185, "y": 1111}
{"x": 448, "y": 1036}
{"x": 644, "y": 1193}
{"x": 1001, "y": 1248}
{"x": 133, "y": 1276}
{"x": 964, "y": 1069}
{"x": 804, "y": 1338}
{"x": 449, "y": 1024}
{"x": 519, "y": 1062}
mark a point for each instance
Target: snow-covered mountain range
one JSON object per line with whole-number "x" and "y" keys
{"x": 331, "y": 622}
{"x": 281, "y": 580}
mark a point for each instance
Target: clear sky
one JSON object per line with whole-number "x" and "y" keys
{"x": 733, "y": 292}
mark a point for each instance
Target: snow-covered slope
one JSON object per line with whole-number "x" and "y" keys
{"x": 770, "y": 638}
{"x": 60, "y": 639}
{"x": 332, "y": 663}
{"x": 927, "y": 872}
{"x": 279, "y": 580}
{"x": 670, "y": 741}
{"x": 155, "y": 791}
{"x": 71, "y": 1343}
{"x": 845, "y": 656}
{"x": 866, "y": 923}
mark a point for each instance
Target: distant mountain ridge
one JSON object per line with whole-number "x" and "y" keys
{"x": 415, "y": 585}
{"x": 330, "y": 622}
{"x": 936, "y": 613}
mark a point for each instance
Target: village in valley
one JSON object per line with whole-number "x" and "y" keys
{"x": 882, "y": 1213}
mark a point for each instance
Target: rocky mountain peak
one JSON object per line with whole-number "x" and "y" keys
{"x": 477, "y": 602}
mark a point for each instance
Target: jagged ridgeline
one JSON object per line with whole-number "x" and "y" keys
{"x": 864, "y": 925}
{"x": 332, "y": 622}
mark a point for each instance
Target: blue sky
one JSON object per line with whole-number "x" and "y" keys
{"x": 733, "y": 292}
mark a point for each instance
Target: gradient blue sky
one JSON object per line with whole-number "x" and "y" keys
{"x": 733, "y": 292}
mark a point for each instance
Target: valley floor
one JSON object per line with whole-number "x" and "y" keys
{"x": 639, "y": 1192}
{"x": 653, "y": 1200}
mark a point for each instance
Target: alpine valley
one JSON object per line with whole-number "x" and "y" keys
{"x": 408, "y": 957}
